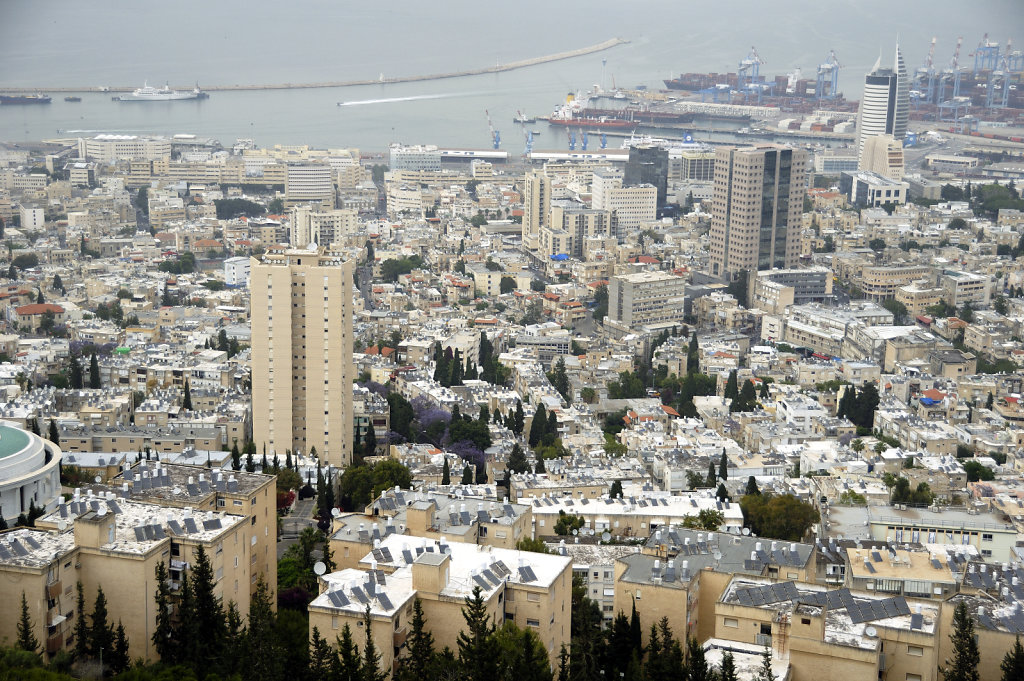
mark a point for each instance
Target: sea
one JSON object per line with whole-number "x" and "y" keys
{"x": 51, "y": 43}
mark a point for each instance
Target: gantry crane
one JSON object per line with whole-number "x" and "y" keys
{"x": 828, "y": 72}
{"x": 495, "y": 134}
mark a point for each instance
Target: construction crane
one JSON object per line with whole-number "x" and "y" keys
{"x": 829, "y": 72}
{"x": 986, "y": 55}
{"x": 495, "y": 134}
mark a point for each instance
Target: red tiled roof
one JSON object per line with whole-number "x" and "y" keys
{"x": 38, "y": 308}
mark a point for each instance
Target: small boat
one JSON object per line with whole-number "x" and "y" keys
{"x": 535, "y": 132}
{"x": 72, "y": 99}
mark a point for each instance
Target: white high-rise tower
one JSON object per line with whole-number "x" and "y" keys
{"x": 885, "y": 106}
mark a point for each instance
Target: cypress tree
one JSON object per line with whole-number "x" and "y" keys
{"x": 94, "y": 373}
{"x": 54, "y": 435}
{"x": 209, "y": 621}
{"x": 1013, "y": 662}
{"x": 348, "y": 664}
{"x": 81, "y": 626}
{"x": 696, "y": 664}
{"x": 964, "y": 665}
{"x": 101, "y": 632}
{"x": 467, "y": 475}
{"x": 250, "y": 465}
{"x": 693, "y": 355}
{"x": 752, "y": 486}
{"x": 723, "y": 467}
{"x": 186, "y": 402}
{"x": 539, "y": 426}
{"x": 236, "y": 457}
{"x": 722, "y": 494}
{"x": 420, "y": 644}
{"x": 517, "y": 462}
{"x": 711, "y": 474}
{"x": 477, "y": 651}
{"x": 446, "y": 473}
{"x": 265, "y": 655}
{"x": 321, "y": 657}
{"x": 75, "y": 378}
{"x": 370, "y": 443}
{"x": 371, "y": 670}
{"x": 288, "y": 459}
{"x": 731, "y": 387}
{"x": 765, "y": 672}
{"x": 34, "y": 424}
{"x": 727, "y": 672}
{"x": 26, "y": 638}
{"x": 120, "y": 659}
{"x": 163, "y": 635}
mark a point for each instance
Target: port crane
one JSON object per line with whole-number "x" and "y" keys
{"x": 1001, "y": 77}
{"x": 828, "y": 72}
{"x": 924, "y": 79}
{"x": 953, "y": 72}
{"x": 986, "y": 55}
{"x": 495, "y": 134}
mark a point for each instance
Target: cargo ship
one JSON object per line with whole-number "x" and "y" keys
{"x": 25, "y": 99}
{"x": 148, "y": 93}
{"x": 72, "y": 99}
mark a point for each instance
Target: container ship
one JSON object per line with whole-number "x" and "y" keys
{"x": 25, "y": 99}
{"x": 148, "y": 93}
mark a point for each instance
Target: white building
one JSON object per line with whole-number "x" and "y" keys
{"x": 415, "y": 157}
{"x": 634, "y": 206}
{"x": 236, "y": 271}
{"x": 309, "y": 182}
{"x": 32, "y": 218}
{"x": 885, "y": 106}
{"x": 112, "y": 148}
{"x": 29, "y": 472}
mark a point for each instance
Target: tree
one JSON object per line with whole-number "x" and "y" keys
{"x": 236, "y": 457}
{"x": 706, "y": 519}
{"x": 186, "y": 400}
{"x": 467, "y": 475}
{"x": 1013, "y": 662}
{"x": 727, "y": 671}
{"x": 600, "y": 302}
{"x": 731, "y": 387}
{"x": 101, "y": 632}
{"x": 347, "y": 665}
{"x": 81, "y": 626}
{"x": 26, "y": 638}
{"x": 517, "y": 462}
{"x": 208, "y": 624}
{"x": 778, "y": 516}
{"x": 370, "y": 442}
{"x": 119, "y": 658}
{"x": 765, "y": 672}
{"x": 877, "y": 245}
{"x": 264, "y": 652}
{"x": 899, "y": 310}
{"x": 475, "y": 643}
{"x": 560, "y": 380}
{"x": 163, "y": 634}
{"x": 538, "y": 426}
{"x": 964, "y": 665}
{"x": 58, "y": 285}
{"x": 420, "y": 647}
{"x": 616, "y": 490}
{"x": 94, "y": 373}
{"x": 54, "y": 434}
{"x": 371, "y": 670}
{"x": 39, "y": 296}
{"x": 696, "y": 664}
{"x": 446, "y": 473}
{"x": 723, "y": 467}
{"x": 75, "y": 379}
{"x": 507, "y": 285}
{"x": 519, "y": 420}
{"x": 693, "y": 355}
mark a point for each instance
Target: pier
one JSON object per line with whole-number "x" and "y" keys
{"x": 497, "y": 68}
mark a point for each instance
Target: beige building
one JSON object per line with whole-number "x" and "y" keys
{"x": 116, "y": 544}
{"x": 756, "y": 208}
{"x": 531, "y": 589}
{"x": 309, "y": 183}
{"x": 536, "y": 206}
{"x": 883, "y": 154}
{"x": 306, "y": 339}
{"x": 646, "y": 298}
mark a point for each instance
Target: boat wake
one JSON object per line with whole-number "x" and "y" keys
{"x": 411, "y": 98}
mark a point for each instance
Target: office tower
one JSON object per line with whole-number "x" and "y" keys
{"x": 536, "y": 206}
{"x": 647, "y": 164}
{"x": 302, "y": 354}
{"x": 634, "y": 206}
{"x": 309, "y": 183}
{"x": 756, "y": 208}
{"x": 885, "y": 106}
{"x": 646, "y": 298}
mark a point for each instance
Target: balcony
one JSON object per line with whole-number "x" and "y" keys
{"x": 400, "y": 636}
{"x": 55, "y": 643}
{"x": 763, "y": 640}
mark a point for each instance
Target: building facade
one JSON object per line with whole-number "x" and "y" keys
{"x": 885, "y": 106}
{"x": 306, "y": 339}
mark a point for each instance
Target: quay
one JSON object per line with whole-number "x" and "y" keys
{"x": 497, "y": 68}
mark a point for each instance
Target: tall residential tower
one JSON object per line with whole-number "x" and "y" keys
{"x": 756, "y": 207}
{"x": 302, "y": 354}
{"x": 885, "y": 106}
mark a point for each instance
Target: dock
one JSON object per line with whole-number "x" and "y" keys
{"x": 497, "y": 68}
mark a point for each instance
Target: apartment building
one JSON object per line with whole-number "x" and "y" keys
{"x": 531, "y": 589}
{"x": 309, "y": 183}
{"x": 301, "y": 353}
{"x": 115, "y": 544}
{"x": 634, "y": 206}
{"x": 646, "y": 298}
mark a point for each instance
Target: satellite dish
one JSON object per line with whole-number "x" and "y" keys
{"x": 606, "y": 536}
{"x": 319, "y": 567}
{"x": 870, "y": 632}
{"x": 62, "y": 525}
{"x": 335, "y": 513}
{"x": 97, "y": 479}
{"x": 745, "y": 531}
{"x": 575, "y": 532}
{"x": 717, "y": 555}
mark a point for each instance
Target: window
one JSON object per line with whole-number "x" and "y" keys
{"x": 916, "y": 651}
{"x": 532, "y": 623}
{"x": 913, "y": 677}
{"x": 731, "y": 622}
{"x": 986, "y": 537}
{"x": 805, "y": 620}
{"x": 532, "y": 597}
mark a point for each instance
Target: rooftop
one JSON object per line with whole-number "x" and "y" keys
{"x": 12, "y": 440}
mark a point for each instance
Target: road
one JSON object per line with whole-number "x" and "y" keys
{"x": 292, "y": 524}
